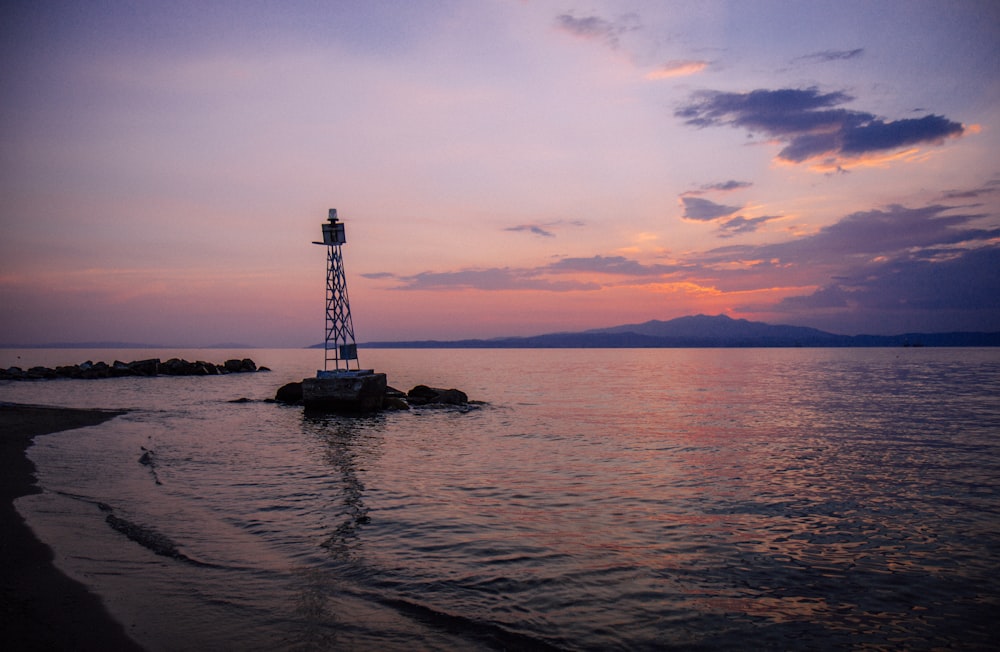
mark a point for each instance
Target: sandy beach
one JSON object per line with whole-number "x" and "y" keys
{"x": 43, "y": 609}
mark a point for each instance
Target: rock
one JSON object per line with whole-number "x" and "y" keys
{"x": 452, "y": 397}
{"x": 290, "y": 393}
{"x": 12, "y": 373}
{"x": 39, "y": 373}
{"x": 176, "y": 367}
{"x": 351, "y": 394}
{"x": 424, "y": 395}
{"x": 393, "y": 403}
{"x": 96, "y": 370}
{"x": 69, "y": 371}
{"x": 421, "y": 394}
{"x": 202, "y": 368}
{"x": 120, "y": 369}
{"x": 149, "y": 367}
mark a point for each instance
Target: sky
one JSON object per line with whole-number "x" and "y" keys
{"x": 502, "y": 167}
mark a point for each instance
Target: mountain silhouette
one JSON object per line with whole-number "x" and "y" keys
{"x": 720, "y": 328}
{"x": 704, "y": 331}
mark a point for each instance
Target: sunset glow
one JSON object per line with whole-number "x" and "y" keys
{"x": 502, "y": 168}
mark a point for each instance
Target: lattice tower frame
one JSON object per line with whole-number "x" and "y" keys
{"x": 340, "y": 345}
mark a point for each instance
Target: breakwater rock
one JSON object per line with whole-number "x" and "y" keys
{"x": 392, "y": 399}
{"x": 119, "y": 369}
{"x": 424, "y": 395}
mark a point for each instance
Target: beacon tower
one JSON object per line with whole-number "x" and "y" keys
{"x": 340, "y": 386}
{"x": 340, "y": 346}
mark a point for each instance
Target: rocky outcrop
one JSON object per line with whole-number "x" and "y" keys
{"x": 394, "y": 400}
{"x": 290, "y": 393}
{"x": 424, "y": 395}
{"x": 142, "y": 367}
{"x": 361, "y": 392}
{"x": 151, "y": 367}
{"x": 391, "y": 398}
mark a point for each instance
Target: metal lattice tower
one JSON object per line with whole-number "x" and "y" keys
{"x": 340, "y": 346}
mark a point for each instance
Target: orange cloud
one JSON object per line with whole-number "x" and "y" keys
{"x": 871, "y": 160}
{"x": 679, "y": 68}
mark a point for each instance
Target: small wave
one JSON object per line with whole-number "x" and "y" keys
{"x": 145, "y": 536}
{"x": 149, "y": 538}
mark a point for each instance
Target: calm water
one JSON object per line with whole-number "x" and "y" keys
{"x": 601, "y": 500}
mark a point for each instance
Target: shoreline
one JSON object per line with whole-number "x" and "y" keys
{"x": 42, "y": 608}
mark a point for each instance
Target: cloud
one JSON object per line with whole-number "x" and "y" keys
{"x": 544, "y": 229}
{"x": 721, "y": 186}
{"x": 831, "y": 55}
{"x": 616, "y": 265}
{"x": 986, "y": 189}
{"x": 532, "y": 228}
{"x": 729, "y": 224}
{"x": 597, "y": 28}
{"x": 891, "y": 232}
{"x": 704, "y": 210}
{"x": 491, "y": 279}
{"x": 932, "y": 263}
{"x": 897, "y": 228}
{"x": 727, "y": 185}
{"x": 813, "y": 125}
{"x": 739, "y": 224}
{"x": 899, "y": 267}
{"x": 967, "y": 281}
{"x": 898, "y": 260}
{"x": 878, "y": 135}
{"x": 781, "y": 112}
{"x": 679, "y": 68}
{"x": 547, "y": 278}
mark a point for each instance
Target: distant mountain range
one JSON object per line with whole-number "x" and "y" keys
{"x": 702, "y": 331}
{"x": 698, "y": 331}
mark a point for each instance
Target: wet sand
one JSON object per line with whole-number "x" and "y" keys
{"x": 40, "y": 607}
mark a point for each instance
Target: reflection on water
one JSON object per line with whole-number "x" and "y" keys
{"x": 694, "y": 499}
{"x": 346, "y": 440}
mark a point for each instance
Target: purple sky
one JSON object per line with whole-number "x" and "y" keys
{"x": 502, "y": 167}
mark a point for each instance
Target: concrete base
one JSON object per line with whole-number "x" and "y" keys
{"x": 348, "y": 392}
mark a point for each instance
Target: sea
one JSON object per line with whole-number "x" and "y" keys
{"x": 589, "y": 499}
